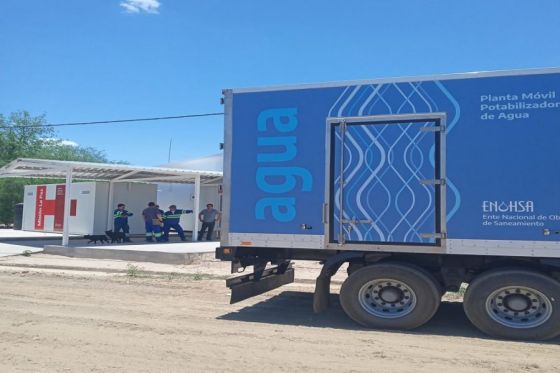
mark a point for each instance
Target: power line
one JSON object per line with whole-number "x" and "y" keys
{"x": 118, "y": 121}
{"x": 134, "y": 120}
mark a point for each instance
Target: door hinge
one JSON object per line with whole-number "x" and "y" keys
{"x": 356, "y": 221}
{"x": 432, "y": 181}
{"x": 440, "y": 236}
{"x": 433, "y": 129}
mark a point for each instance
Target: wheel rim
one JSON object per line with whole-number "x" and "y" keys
{"x": 519, "y": 307}
{"x": 387, "y": 298}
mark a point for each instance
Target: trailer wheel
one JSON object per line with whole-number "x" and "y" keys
{"x": 514, "y": 304}
{"x": 390, "y": 295}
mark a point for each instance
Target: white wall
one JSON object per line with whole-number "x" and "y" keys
{"x": 28, "y": 208}
{"x": 92, "y": 206}
{"x": 93, "y": 210}
{"x": 101, "y": 205}
{"x": 182, "y": 195}
{"x": 136, "y": 197}
{"x": 82, "y": 223}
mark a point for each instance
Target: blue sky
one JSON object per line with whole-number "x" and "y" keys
{"x": 109, "y": 59}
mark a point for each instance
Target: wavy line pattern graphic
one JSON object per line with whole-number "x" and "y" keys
{"x": 382, "y": 164}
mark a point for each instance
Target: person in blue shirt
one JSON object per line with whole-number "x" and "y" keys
{"x": 120, "y": 216}
{"x": 152, "y": 221}
{"x": 171, "y": 219}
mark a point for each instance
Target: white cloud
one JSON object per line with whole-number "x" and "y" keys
{"x": 138, "y": 6}
{"x": 61, "y": 142}
{"x": 68, "y": 142}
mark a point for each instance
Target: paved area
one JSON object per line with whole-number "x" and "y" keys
{"x": 167, "y": 247}
{"x": 12, "y": 234}
{"x": 8, "y": 249}
{"x": 14, "y": 242}
{"x": 170, "y": 253}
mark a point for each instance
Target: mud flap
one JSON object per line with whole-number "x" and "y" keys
{"x": 322, "y": 294}
{"x": 247, "y": 286}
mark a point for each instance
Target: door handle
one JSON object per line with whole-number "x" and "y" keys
{"x": 356, "y": 221}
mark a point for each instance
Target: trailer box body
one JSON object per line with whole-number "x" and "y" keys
{"x": 456, "y": 164}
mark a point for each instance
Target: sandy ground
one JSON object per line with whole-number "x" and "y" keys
{"x": 77, "y": 315}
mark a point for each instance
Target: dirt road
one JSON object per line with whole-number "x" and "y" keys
{"x": 53, "y": 322}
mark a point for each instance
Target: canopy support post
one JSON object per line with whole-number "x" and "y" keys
{"x": 67, "y": 202}
{"x": 196, "y": 207}
{"x": 110, "y": 202}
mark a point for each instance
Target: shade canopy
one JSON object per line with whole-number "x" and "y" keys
{"x": 43, "y": 168}
{"x": 112, "y": 173}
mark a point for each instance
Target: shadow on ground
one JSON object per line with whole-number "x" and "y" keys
{"x": 295, "y": 308}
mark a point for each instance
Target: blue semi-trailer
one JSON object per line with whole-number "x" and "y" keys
{"x": 418, "y": 184}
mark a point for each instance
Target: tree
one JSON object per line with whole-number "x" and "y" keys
{"x": 26, "y": 136}
{"x": 21, "y": 135}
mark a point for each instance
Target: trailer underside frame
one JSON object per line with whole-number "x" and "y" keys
{"x": 449, "y": 270}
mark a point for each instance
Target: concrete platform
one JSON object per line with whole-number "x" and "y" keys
{"x": 11, "y": 249}
{"x": 166, "y": 253}
{"x": 8, "y": 235}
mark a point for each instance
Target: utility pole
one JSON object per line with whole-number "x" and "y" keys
{"x": 169, "y": 153}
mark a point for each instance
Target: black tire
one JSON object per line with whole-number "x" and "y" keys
{"x": 482, "y": 312}
{"x": 421, "y": 284}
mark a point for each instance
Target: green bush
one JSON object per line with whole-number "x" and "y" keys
{"x": 26, "y": 136}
